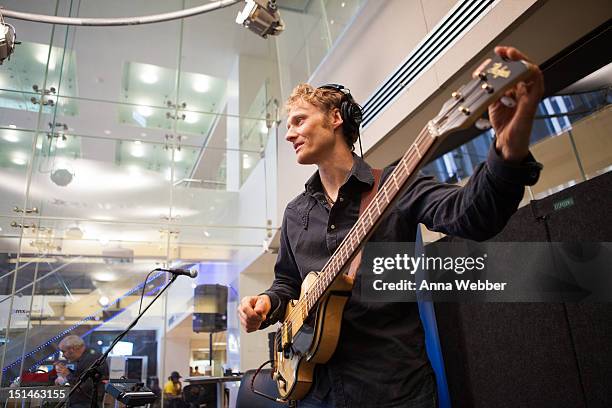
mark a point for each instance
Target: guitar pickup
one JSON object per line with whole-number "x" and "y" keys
{"x": 286, "y": 335}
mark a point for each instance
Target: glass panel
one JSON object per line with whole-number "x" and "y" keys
{"x": 15, "y": 153}
{"x": 593, "y": 142}
{"x": 83, "y": 278}
{"x": 102, "y": 179}
{"x": 113, "y": 62}
{"x": 340, "y": 14}
{"x": 28, "y": 64}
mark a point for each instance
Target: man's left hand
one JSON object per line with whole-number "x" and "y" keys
{"x": 512, "y": 125}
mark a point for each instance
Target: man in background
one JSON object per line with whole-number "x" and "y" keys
{"x": 74, "y": 350}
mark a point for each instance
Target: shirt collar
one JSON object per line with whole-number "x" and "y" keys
{"x": 361, "y": 172}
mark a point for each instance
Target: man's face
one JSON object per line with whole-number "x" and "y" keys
{"x": 311, "y": 132}
{"x": 72, "y": 353}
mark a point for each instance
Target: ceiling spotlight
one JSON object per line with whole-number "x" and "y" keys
{"x": 145, "y": 111}
{"x": 104, "y": 301}
{"x": 149, "y": 77}
{"x": 261, "y": 17}
{"x": 8, "y": 39}
{"x": 201, "y": 84}
{"x": 62, "y": 177}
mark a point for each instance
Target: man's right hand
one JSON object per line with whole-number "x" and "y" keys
{"x": 253, "y": 311}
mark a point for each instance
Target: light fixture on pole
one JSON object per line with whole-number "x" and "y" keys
{"x": 8, "y": 39}
{"x": 261, "y": 17}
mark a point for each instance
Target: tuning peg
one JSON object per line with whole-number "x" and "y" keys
{"x": 487, "y": 88}
{"x": 508, "y": 101}
{"x": 483, "y": 124}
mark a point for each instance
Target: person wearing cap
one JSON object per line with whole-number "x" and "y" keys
{"x": 173, "y": 390}
{"x": 173, "y": 386}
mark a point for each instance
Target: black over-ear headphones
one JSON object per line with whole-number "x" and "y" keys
{"x": 351, "y": 112}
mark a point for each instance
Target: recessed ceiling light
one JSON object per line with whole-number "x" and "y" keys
{"x": 134, "y": 169}
{"x": 143, "y": 134}
{"x": 191, "y": 117}
{"x": 11, "y": 137}
{"x": 178, "y": 155}
{"x": 42, "y": 56}
{"x": 137, "y": 142}
{"x": 332, "y": 22}
{"x": 19, "y": 158}
{"x": 13, "y": 126}
{"x": 149, "y": 77}
{"x": 207, "y": 234}
{"x": 107, "y": 132}
{"x": 104, "y": 276}
{"x": 201, "y": 84}
{"x": 145, "y": 111}
{"x": 61, "y": 143}
{"x": 342, "y": 4}
{"x": 137, "y": 151}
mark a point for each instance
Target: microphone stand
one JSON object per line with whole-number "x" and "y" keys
{"x": 92, "y": 371}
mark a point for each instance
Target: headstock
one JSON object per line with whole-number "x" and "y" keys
{"x": 469, "y": 102}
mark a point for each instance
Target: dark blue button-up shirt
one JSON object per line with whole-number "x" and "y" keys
{"x": 380, "y": 359}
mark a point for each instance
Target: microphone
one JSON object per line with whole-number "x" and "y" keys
{"x": 184, "y": 272}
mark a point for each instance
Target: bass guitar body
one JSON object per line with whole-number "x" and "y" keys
{"x": 296, "y": 353}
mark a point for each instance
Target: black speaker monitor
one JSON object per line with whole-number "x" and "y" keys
{"x": 210, "y": 308}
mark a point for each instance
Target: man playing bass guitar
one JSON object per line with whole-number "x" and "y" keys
{"x": 380, "y": 358}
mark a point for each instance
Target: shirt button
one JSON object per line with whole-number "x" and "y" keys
{"x": 332, "y": 227}
{"x": 341, "y": 199}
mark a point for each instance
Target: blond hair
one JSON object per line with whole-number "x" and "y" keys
{"x": 326, "y": 100}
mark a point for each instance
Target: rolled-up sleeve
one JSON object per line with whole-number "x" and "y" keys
{"x": 287, "y": 280}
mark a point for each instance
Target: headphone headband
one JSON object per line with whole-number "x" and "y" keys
{"x": 350, "y": 111}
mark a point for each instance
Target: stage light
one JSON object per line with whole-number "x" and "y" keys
{"x": 8, "y": 39}
{"x": 261, "y": 17}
